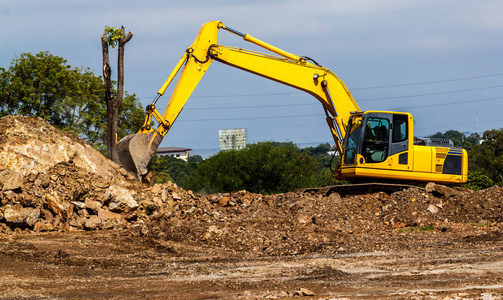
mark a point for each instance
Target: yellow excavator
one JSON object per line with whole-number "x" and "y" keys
{"x": 374, "y": 145}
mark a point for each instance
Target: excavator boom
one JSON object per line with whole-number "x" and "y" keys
{"x": 135, "y": 151}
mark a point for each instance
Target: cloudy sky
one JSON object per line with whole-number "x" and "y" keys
{"x": 440, "y": 60}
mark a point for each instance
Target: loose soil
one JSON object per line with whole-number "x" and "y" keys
{"x": 71, "y": 230}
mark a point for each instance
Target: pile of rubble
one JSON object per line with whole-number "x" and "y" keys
{"x": 50, "y": 180}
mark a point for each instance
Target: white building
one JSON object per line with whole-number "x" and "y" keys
{"x": 232, "y": 139}
{"x": 177, "y": 152}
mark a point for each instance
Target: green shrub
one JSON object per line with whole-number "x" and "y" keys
{"x": 478, "y": 181}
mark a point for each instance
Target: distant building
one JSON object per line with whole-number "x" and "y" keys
{"x": 333, "y": 151}
{"x": 232, "y": 139}
{"x": 177, "y": 152}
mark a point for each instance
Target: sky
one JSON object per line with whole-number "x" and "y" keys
{"x": 439, "y": 60}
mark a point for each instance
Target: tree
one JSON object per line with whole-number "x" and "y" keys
{"x": 261, "y": 168}
{"x": 324, "y": 164}
{"x": 168, "y": 168}
{"x": 113, "y": 37}
{"x": 487, "y": 157}
{"x": 70, "y": 98}
{"x": 459, "y": 139}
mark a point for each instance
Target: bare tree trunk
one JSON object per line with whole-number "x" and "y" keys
{"x": 113, "y": 106}
{"x": 109, "y": 96}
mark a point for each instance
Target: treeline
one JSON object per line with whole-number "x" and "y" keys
{"x": 265, "y": 167}
{"x": 273, "y": 167}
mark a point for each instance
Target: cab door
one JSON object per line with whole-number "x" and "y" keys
{"x": 400, "y": 156}
{"x": 375, "y": 147}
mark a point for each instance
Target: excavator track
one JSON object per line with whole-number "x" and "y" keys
{"x": 359, "y": 188}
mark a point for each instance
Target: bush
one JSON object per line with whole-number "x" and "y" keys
{"x": 487, "y": 157}
{"x": 478, "y": 181}
{"x": 265, "y": 167}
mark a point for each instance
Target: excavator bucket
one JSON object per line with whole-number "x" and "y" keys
{"x": 136, "y": 150}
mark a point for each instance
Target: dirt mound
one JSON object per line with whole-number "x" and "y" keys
{"x": 299, "y": 223}
{"x": 50, "y": 180}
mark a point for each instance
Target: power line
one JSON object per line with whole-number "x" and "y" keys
{"x": 252, "y": 106}
{"x": 426, "y": 82}
{"x": 314, "y": 103}
{"x": 431, "y": 94}
{"x": 362, "y": 88}
{"x": 254, "y": 118}
{"x": 456, "y": 102}
{"x": 260, "y": 127}
{"x": 323, "y": 116}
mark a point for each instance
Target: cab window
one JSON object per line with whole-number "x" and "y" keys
{"x": 400, "y": 128}
{"x": 351, "y": 143}
{"x": 376, "y": 140}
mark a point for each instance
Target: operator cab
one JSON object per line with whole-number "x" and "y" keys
{"x": 372, "y": 137}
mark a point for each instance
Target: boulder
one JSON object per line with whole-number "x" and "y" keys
{"x": 30, "y": 215}
{"x": 119, "y": 199}
{"x": 12, "y": 214}
{"x": 10, "y": 179}
{"x": 60, "y": 208}
{"x": 110, "y": 219}
{"x": 93, "y": 205}
{"x": 92, "y": 223}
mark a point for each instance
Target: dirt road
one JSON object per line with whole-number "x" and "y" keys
{"x": 111, "y": 265}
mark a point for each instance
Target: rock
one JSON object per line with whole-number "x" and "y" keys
{"x": 223, "y": 201}
{"x": 79, "y": 205}
{"x": 57, "y": 207}
{"x": 176, "y": 196}
{"x": 303, "y": 219}
{"x": 39, "y": 226}
{"x": 93, "y": 222}
{"x": 334, "y": 197}
{"x": 120, "y": 199}
{"x": 30, "y": 215}
{"x": 110, "y": 219}
{"x": 305, "y": 292}
{"x": 29, "y": 201}
{"x": 430, "y": 187}
{"x": 92, "y": 205}
{"x": 10, "y": 180}
{"x": 164, "y": 195}
{"x": 12, "y": 214}
{"x": 156, "y": 189}
{"x": 433, "y": 209}
{"x": 444, "y": 190}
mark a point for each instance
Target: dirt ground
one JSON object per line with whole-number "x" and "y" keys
{"x": 113, "y": 265}
{"x": 75, "y": 225}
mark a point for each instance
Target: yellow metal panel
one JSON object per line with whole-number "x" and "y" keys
{"x": 422, "y": 158}
{"x": 361, "y": 172}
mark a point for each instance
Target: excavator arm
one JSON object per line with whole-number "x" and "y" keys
{"x": 135, "y": 151}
